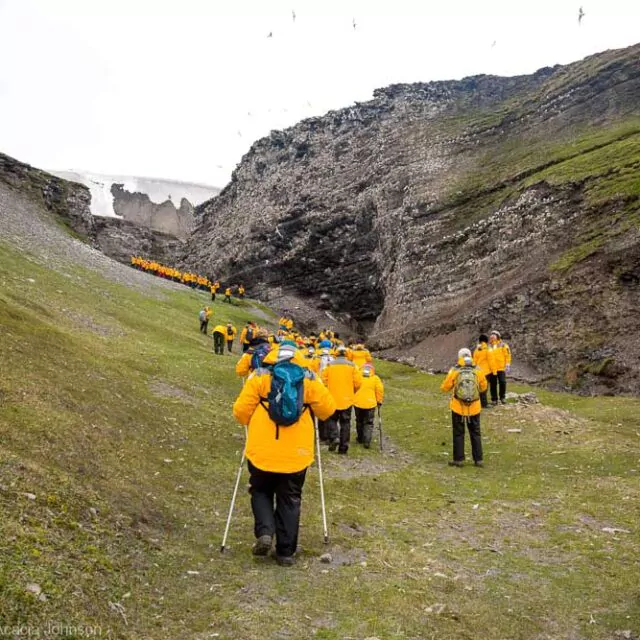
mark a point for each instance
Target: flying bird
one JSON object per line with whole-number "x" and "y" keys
{"x": 581, "y": 14}
{"x": 494, "y": 43}
{"x": 270, "y": 34}
{"x": 354, "y": 24}
{"x": 293, "y": 15}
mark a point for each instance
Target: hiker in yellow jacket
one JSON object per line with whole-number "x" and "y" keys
{"x": 466, "y": 382}
{"x": 204, "y": 316}
{"x": 241, "y": 291}
{"x": 227, "y": 295}
{"x": 278, "y": 457}
{"x": 500, "y": 359}
{"x": 218, "y": 335}
{"x": 214, "y": 289}
{"x": 484, "y": 360}
{"x": 230, "y": 334}
{"x": 369, "y": 396}
{"x": 343, "y": 379}
{"x": 247, "y": 335}
{"x": 360, "y": 356}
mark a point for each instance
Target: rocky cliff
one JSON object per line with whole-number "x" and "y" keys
{"x": 437, "y": 211}
{"x": 69, "y": 202}
{"x": 157, "y": 204}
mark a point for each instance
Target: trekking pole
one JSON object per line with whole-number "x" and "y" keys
{"x": 380, "y": 426}
{"x": 235, "y": 493}
{"x": 324, "y": 510}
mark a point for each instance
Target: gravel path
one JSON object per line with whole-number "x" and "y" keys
{"x": 26, "y": 226}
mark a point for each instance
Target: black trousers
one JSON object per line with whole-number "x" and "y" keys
{"x": 339, "y": 428}
{"x": 218, "y": 343}
{"x": 322, "y": 430}
{"x": 229, "y": 345}
{"x": 498, "y": 386}
{"x": 364, "y": 425}
{"x": 483, "y": 399}
{"x": 245, "y": 347}
{"x": 284, "y": 519}
{"x": 473, "y": 424}
{"x": 203, "y": 326}
{"x": 213, "y": 297}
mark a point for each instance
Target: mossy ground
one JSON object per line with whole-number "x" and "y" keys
{"x": 116, "y": 416}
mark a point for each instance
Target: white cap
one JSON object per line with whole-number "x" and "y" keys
{"x": 464, "y": 353}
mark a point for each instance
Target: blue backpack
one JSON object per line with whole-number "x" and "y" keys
{"x": 286, "y": 397}
{"x": 258, "y": 353}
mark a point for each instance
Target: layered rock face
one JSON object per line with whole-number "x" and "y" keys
{"x": 440, "y": 210}
{"x": 70, "y": 203}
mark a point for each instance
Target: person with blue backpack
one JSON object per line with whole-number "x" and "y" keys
{"x": 278, "y": 403}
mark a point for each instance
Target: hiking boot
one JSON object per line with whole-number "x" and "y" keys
{"x": 367, "y": 445}
{"x": 479, "y": 463}
{"x": 456, "y": 463}
{"x": 285, "y": 561}
{"x": 333, "y": 445}
{"x": 503, "y": 402}
{"x": 262, "y": 546}
{"x": 343, "y": 451}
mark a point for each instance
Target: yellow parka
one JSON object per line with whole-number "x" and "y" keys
{"x": 484, "y": 359}
{"x": 313, "y": 363}
{"x": 219, "y": 328}
{"x": 230, "y": 336}
{"x": 371, "y": 393}
{"x": 500, "y": 355}
{"x": 293, "y": 450}
{"x": 360, "y": 357}
{"x": 243, "y": 366}
{"x": 228, "y": 292}
{"x": 456, "y": 405}
{"x": 343, "y": 379}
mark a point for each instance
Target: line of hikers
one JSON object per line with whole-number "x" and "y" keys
{"x": 193, "y": 280}
{"x": 293, "y": 384}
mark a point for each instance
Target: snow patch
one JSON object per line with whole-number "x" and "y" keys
{"x": 157, "y": 189}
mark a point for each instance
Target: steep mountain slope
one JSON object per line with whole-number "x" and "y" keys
{"x": 161, "y": 205}
{"x": 118, "y": 453}
{"x": 436, "y": 211}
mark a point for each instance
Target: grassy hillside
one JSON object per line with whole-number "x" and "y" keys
{"x": 118, "y": 453}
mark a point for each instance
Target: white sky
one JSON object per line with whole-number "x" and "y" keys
{"x": 162, "y": 87}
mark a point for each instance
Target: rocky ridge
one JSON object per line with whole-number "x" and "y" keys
{"x": 437, "y": 211}
{"x": 69, "y": 202}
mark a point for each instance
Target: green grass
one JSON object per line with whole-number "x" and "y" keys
{"x": 117, "y": 417}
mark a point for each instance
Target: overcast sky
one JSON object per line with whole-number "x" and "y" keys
{"x": 181, "y": 88}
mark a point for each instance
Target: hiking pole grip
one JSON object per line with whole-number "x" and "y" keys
{"x": 325, "y": 530}
{"x": 235, "y": 493}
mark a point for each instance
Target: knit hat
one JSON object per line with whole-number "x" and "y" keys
{"x": 496, "y": 334}
{"x": 262, "y": 333}
{"x": 464, "y": 353}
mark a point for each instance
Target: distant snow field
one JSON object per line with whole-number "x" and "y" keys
{"x": 157, "y": 189}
